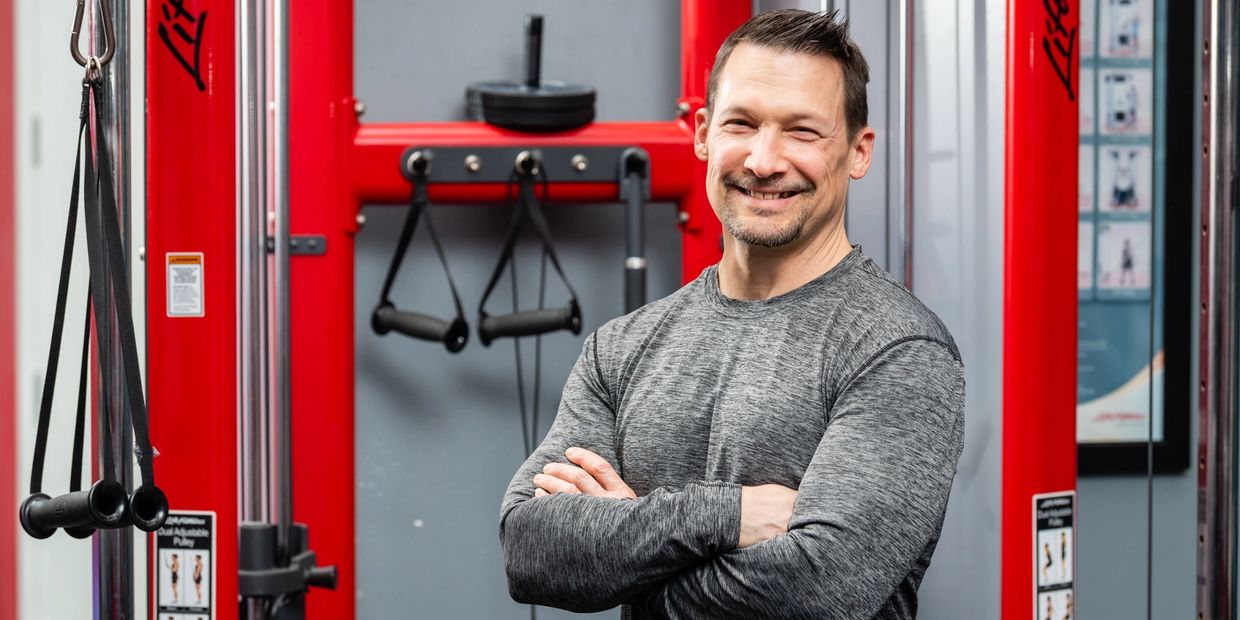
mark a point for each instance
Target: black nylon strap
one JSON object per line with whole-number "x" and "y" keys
{"x": 124, "y": 314}
{"x": 79, "y": 425}
{"x": 526, "y": 208}
{"x": 58, "y": 322}
{"x": 98, "y": 281}
{"x": 534, "y": 210}
{"x": 419, "y": 206}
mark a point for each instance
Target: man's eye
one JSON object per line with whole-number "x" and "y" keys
{"x": 805, "y": 133}
{"x": 736, "y": 122}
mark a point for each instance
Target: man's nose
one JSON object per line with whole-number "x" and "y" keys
{"x": 766, "y": 155}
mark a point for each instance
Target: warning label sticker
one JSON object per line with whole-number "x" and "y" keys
{"x": 1054, "y": 555}
{"x": 185, "y": 284}
{"x": 185, "y": 582}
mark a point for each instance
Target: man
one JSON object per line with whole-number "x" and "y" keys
{"x": 778, "y": 438}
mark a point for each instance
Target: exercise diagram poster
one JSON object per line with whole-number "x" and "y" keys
{"x": 185, "y": 567}
{"x": 1120, "y": 212}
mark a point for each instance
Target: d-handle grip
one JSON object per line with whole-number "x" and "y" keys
{"x": 453, "y": 334}
{"x": 148, "y": 508}
{"x": 530, "y": 323}
{"x": 104, "y": 505}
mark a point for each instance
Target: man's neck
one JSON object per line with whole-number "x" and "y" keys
{"x": 749, "y": 273}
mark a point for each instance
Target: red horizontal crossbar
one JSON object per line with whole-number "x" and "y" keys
{"x": 377, "y": 149}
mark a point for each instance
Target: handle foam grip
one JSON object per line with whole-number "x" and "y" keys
{"x": 148, "y": 508}
{"x": 104, "y": 505}
{"x": 530, "y": 323}
{"x": 453, "y": 334}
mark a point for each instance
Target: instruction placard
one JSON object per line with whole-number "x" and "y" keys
{"x": 185, "y": 284}
{"x": 1054, "y": 555}
{"x": 185, "y": 567}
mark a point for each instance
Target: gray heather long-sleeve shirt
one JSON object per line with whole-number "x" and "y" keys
{"x": 847, "y": 389}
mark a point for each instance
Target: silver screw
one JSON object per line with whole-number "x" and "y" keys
{"x": 361, "y": 220}
{"x": 683, "y": 216}
{"x": 682, "y": 107}
{"x": 359, "y": 108}
{"x": 473, "y": 163}
{"x": 580, "y": 163}
{"x": 142, "y": 253}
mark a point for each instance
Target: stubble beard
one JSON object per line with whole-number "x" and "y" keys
{"x": 764, "y": 233}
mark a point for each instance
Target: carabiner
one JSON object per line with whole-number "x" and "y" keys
{"x": 109, "y": 37}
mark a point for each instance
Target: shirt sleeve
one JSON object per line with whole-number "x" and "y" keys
{"x": 869, "y": 507}
{"x": 585, "y": 553}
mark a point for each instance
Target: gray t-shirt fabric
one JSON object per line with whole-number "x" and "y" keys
{"x": 847, "y": 389}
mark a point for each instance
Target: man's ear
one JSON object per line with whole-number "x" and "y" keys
{"x": 862, "y": 150}
{"x": 701, "y": 126}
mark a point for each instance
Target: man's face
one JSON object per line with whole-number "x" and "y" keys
{"x": 777, "y": 149}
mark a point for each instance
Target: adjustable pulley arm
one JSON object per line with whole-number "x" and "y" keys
{"x": 635, "y": 191}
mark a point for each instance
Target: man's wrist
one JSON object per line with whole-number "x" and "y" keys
{"x": 715, "y": 508}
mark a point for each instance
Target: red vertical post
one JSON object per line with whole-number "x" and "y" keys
{"x": 1039, "y": 308}
{"x": 322, "y": 124}
{"x": 191, "y": 207}
{"x": 704, "y": 24}
{"x": 8, "y": 318}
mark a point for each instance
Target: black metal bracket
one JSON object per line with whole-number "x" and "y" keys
{"x": 262, "y": 575}
{"x": 496, "y": 164}
{"x": 634, "y": 160}
{"x": 302, "y": 245}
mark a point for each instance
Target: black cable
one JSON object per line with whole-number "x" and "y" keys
{"x": 516, "y": 347}
{"x": 542, "y": 294}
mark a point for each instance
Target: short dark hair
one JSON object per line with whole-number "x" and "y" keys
{"x": 804, "y": 32}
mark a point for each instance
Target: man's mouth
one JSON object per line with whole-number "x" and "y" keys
{"x": 766, "y": 195}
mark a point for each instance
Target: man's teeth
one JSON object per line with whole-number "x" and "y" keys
{"x": 767, "y": 196}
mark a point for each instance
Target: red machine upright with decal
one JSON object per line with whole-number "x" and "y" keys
{"x": 1039, "y": 316}
{"x": 191, "y": 239}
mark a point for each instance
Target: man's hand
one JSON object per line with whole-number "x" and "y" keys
{"x": 593, "y": 475}
{"x": 765, "y": 512}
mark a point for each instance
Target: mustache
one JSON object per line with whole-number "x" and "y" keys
{"x": 752, "y": 183}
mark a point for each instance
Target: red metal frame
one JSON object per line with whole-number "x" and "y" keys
{"x": 191, "y": 200}
{"x": 335, "y": 166}
{"x": 1039, "y": 314}
{"x": 8, "y": 317}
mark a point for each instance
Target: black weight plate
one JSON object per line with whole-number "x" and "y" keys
{"x": 554, "y": 106}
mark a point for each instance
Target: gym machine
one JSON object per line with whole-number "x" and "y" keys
{"x": 311, "y": 165}
{"x": 286, "y": 354}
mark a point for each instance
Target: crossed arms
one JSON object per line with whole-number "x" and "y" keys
{"x": 867, "y": 510}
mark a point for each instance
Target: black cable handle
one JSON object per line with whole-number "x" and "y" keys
{"x": 387, "y": 317}
{"x": 529, "y": 322}
{"x": 105, "y": 504}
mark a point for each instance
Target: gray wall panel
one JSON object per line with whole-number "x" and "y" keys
{"x": 958, "y": 272}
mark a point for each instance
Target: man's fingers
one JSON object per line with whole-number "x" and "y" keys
{"x": 576, "y": 475}
{"x": 553, "y": 485}
{"x": 540, "y": 493}
{"x": 599, "y": 468}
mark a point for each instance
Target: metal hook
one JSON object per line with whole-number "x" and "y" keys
{"x": 109, "y": 36}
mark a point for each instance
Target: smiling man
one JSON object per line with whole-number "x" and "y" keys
{"x": 778, "y": 438}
